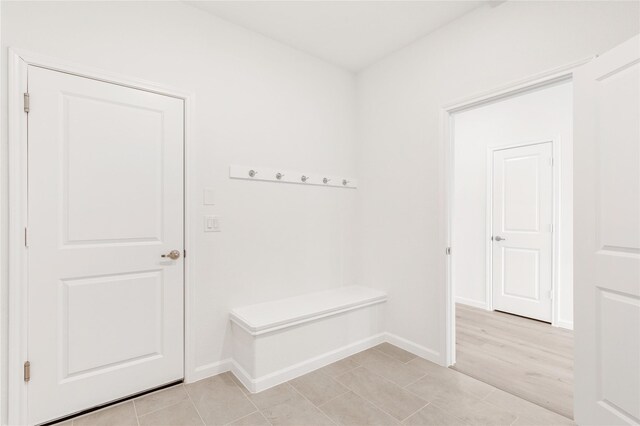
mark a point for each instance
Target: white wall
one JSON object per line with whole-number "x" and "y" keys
{"x": 400, "y": 166}
{"x": 540, "y": 115}
{"x": 257, "y": 102}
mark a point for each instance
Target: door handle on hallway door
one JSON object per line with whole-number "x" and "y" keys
{"x": 498, "y": 238}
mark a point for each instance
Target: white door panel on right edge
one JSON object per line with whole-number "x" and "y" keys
{"x": 607, "y": 238}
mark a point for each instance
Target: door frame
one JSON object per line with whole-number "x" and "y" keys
{"x": 447, "y": 161}
{"x": 18, "y": 63}
{"x": 555, "y": 219}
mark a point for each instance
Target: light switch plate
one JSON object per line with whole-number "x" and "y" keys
{"x": 209, "y": 197}
{"x": 211, "y": 223}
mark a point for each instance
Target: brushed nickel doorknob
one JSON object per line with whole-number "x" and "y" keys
{"x": 173, "y": 254}
{"x": 499, "y": 238}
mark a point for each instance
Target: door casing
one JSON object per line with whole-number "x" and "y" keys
{"x": 18, "y": 63}
{"x": 555, "y": 149}
{"x": 446, "y": 149}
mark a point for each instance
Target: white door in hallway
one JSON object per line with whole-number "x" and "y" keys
{"x": 522, "y": 234}
{"x": 105, "y": 201}
{"x": 607, "y": 238}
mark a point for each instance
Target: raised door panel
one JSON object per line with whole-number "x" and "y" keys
{"x": 113, "y": 164}
{"x": 521, "y": 194}
{"x": 619, "y": 159}
{"x": 110, "y": 322}
{"x": 521, "y": 273}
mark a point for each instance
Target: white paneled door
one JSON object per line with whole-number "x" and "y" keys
{"x": 522, "y": 233}
{"x": 105, "y": 202}
{"x": 607, "y": 238}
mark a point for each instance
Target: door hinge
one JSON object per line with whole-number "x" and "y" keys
{"x": 551, "y": 228}
{"x": 551, "y": 294}
{"x": 27, "y": 371}
{"x": 26, "y": 102}
{"x": 448, "y": 251}
{"x": 551, "y": 161}
{"x": 26, "y": 242}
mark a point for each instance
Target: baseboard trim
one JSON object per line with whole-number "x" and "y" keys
{"x": 414, "y": 348}
{"x": 471, "y": 302}
{"x": 242, "y": 375}
{"x": 284, "y": 375}
{"x": 564, "y": 324}
{"x": 212, "y": 369}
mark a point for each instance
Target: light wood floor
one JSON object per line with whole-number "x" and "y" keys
{"x": 524, "y": 357}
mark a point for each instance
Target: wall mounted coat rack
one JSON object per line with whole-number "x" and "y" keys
{"x": 289, "y": 176}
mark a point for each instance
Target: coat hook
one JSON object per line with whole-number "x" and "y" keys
{"x": 252, "y": 173}
{"x": 325, "y": 180}
{"x": 279, "y": 175}
{"x": 345, "y": 182}
{"x": 304, "y": 178}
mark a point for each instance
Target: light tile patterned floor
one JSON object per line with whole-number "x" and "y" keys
{"x": 384, "y": 385}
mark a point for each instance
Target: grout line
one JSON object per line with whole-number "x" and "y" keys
{"x": 344, "y": 372}
{"x": 264, "y": 417}
{"x": 238, "y": 383}
{"x": 247, "y": 415}
{"x": 159, "y": 408}
{"x": 415, "y": 381}
{"x": 393, "y": 357}
{"x": 416, "y": 395}
{"x": 372, "y": 403}
{"x": 403, "y": 363}
{"x": 487, "y": 395}
{"x": 417, "y": 411}
{"x": 502, "y": 408}
{"x": 387, "y": 355}
{"x": 135, "y": 410}
{"x": 446, "y": 410}
{"x": 233, "y": 380}
{"x": 337, "y": 396}
{"x": 194, "y": 404}
{"x": 162, "y": 408}
{"x": 376, "y": 405}
{"x": 314, "y": 405}
{"x": 347, "y": 390}
{"x": 481, "y": 400}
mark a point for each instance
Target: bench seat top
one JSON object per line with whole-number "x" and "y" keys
{"x": 279, "y": 314}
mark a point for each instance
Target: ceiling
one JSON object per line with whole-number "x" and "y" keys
{"x": 350, "y": 34}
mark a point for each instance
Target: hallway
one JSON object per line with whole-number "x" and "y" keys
{"x": 524, "y": 357}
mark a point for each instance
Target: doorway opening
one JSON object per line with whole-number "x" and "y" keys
{"x": 511, "y": 277}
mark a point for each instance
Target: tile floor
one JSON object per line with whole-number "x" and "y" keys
{"x": 384, "y": 385}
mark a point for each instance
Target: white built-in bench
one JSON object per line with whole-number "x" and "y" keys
{"x": 279, "y": 340}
